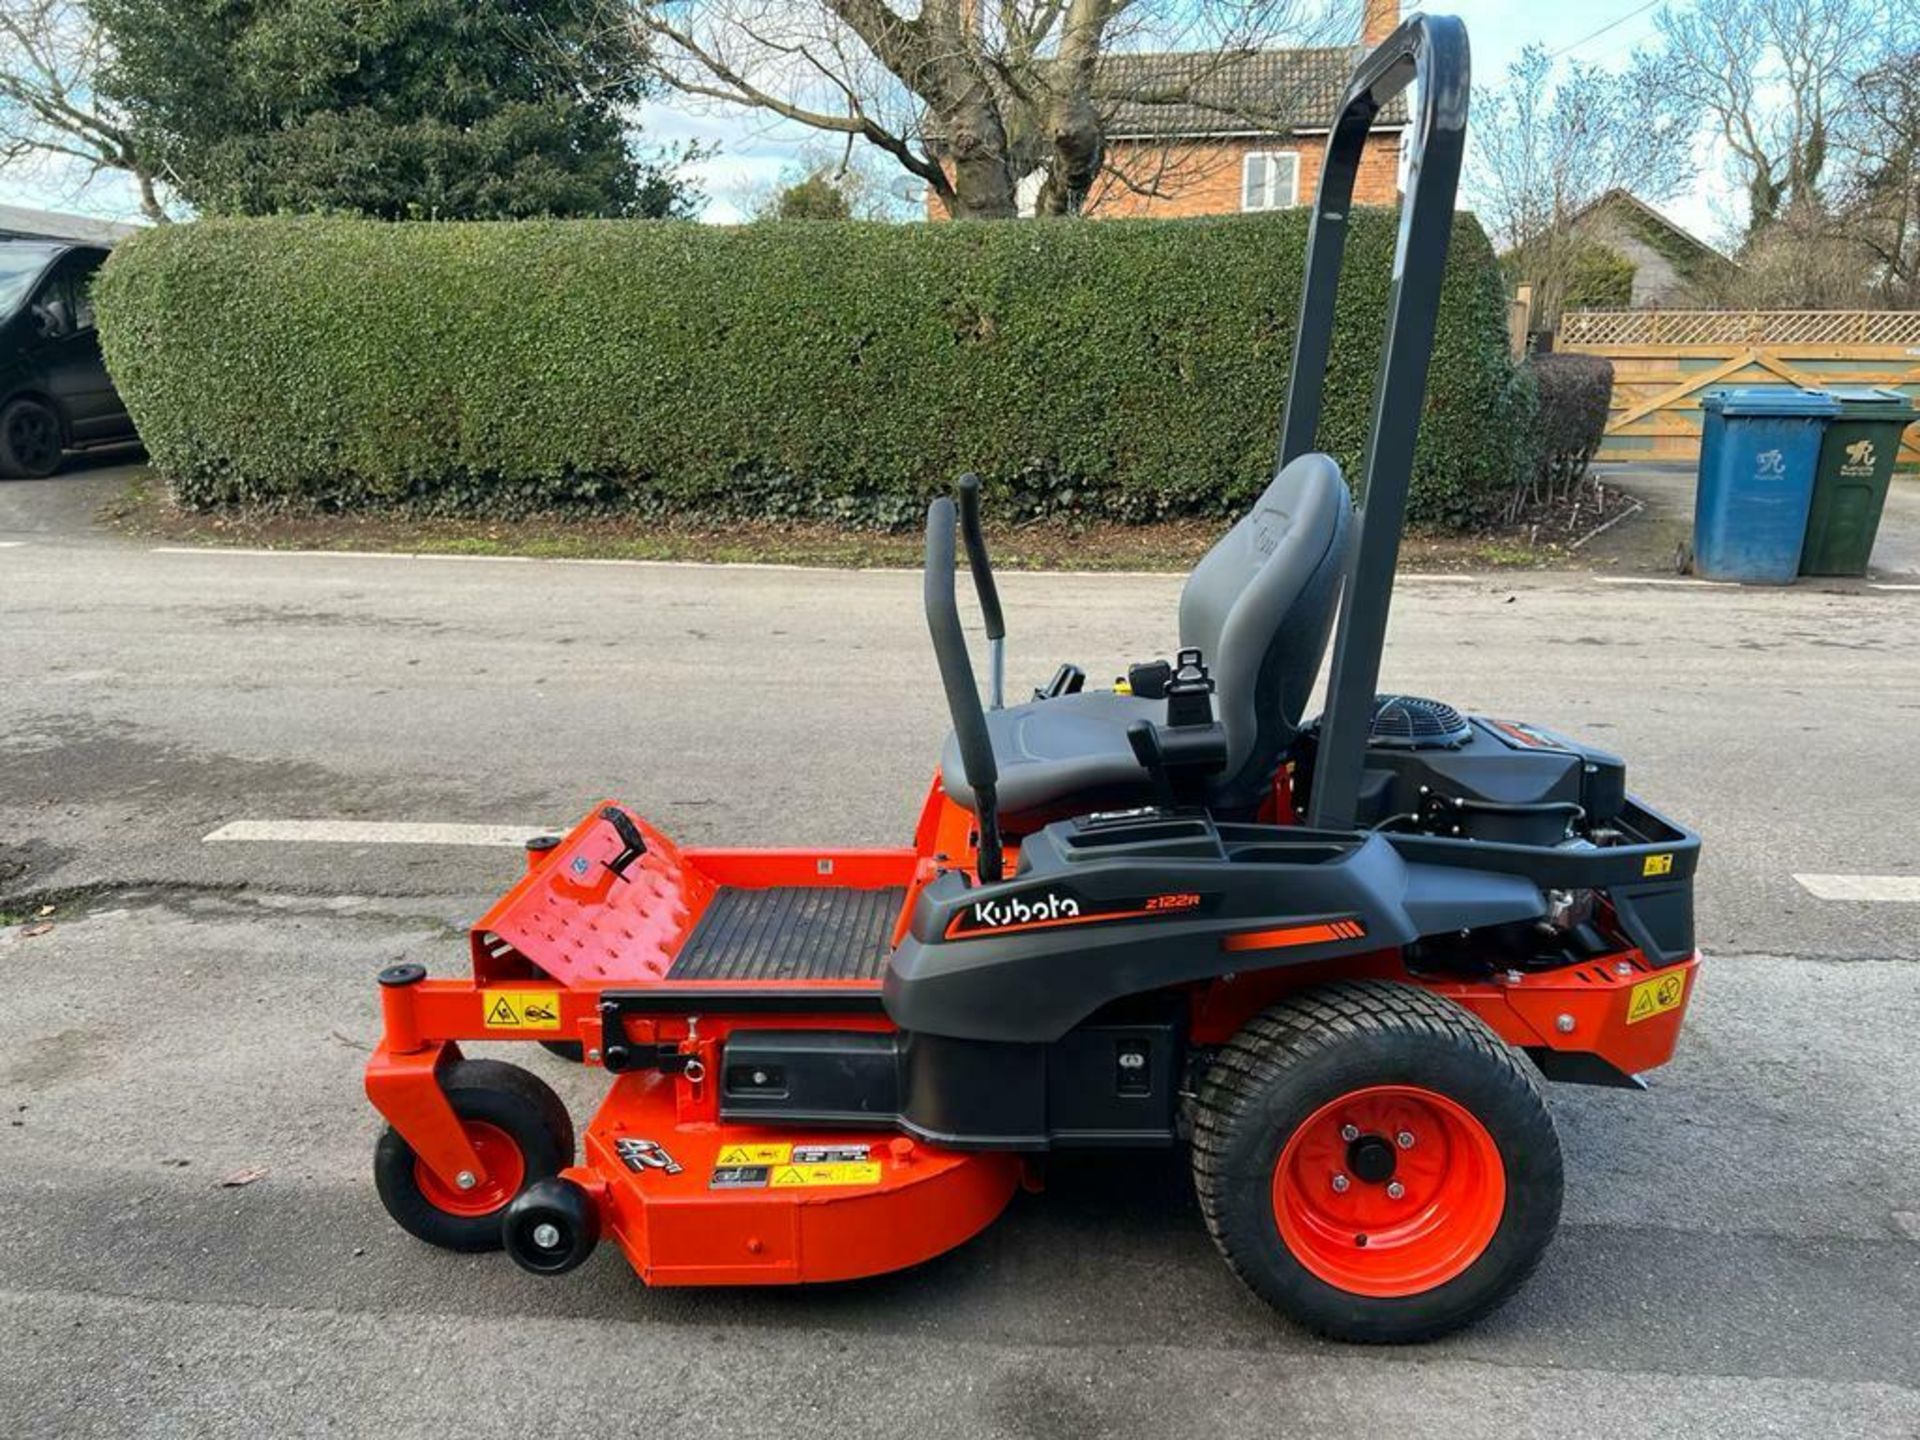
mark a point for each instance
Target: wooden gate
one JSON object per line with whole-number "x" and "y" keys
{"x": 1665, "y": 360}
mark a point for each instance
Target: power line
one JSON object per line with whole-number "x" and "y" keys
{"x": 1611, "y": 24}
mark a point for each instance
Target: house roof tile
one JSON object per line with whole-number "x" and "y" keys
{"x": 1213, "y": 93}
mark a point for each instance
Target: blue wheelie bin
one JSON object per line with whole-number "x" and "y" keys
{"x": 1759, "y": 450}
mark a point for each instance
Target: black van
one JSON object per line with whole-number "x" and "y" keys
{"x": 55, "y": 395}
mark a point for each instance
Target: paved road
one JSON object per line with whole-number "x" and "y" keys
{"x": 1742, "y": 1247}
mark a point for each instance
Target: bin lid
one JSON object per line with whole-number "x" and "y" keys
{"x": 1784, "y": 400}
{"x": 1871, "y": 402}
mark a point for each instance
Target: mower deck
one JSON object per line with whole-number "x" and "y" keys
{"x": 696, "y": 1203}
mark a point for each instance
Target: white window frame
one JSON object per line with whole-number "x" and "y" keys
{"x": 1266, "y": 157}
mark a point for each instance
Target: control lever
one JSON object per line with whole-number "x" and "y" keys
{"x": 1144, "y": 737}
{"x": 984, "y": 586}
{"x": 633, "y": 843}
{"x": 1067, "y": 680}
{"x": 1149, "y": 680}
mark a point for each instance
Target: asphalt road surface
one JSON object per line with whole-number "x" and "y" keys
{"x": 1741, "y": 1252}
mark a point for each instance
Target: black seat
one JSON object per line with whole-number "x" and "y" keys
{"x": 1259, "y": 606}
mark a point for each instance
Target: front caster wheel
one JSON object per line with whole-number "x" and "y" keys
{"x": 1375, "y": 1163}
{"x": 522, "y": 1133}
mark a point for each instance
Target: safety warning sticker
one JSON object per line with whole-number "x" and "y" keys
{"x": 753, "y": 1155}
{"x": 828, "y": 1154}
{"x": 1657, "y": 865}
{"x": 846, "y": 1172}
{"x": 1655, "y": 997}
{"x": 520, "y": 1010}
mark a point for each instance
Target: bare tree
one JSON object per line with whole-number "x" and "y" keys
{"x": 51, "y": 113}
{"x": 1545, "y": 152}
{"x": 971, "y": 96}
{"x": 1769, "y": 76}
{"x": 1878, "y": 202}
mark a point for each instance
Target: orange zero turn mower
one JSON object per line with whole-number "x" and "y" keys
{"x": 1334, "y": 958}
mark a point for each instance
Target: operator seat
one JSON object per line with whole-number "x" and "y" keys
{"x": 1258, "y": 606}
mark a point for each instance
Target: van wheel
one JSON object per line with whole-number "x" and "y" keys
{"x": 1375, "y": 1163}
{"x": 30, "y": 445}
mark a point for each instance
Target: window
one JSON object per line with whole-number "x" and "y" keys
{"x": 1270, "y": 180}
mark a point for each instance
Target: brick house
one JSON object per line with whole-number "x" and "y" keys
{"x": 1226, "y": 147}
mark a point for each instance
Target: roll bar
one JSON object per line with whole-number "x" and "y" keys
{"x": 956, "y": 676}
{"x": 1432, "y": 51}
{"x": 988, "y": 592}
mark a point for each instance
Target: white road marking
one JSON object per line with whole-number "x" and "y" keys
{"x": 1884, "y": 585}
{"x": 1895, "y": 888}
{"x": 374, "y": 832}
{"x": 1668, "y": 580}
{"x": 11, "y": 544}
{"x": 338, "y": 554}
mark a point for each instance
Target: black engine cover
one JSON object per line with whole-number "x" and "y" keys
{"x": 1505, "y": 780}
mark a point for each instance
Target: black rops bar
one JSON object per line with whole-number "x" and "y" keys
{"x": 1432, "y": 51}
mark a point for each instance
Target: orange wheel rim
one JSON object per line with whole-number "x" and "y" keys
{"x": 505, "y": 1167}
{"x": 1389, "y": 1190}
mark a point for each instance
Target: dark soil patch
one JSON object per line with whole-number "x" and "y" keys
{"x": 1538, "y": 541}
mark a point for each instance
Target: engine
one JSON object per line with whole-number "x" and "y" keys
{"x": 1432, "y": 770}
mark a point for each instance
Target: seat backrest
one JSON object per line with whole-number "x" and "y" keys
{"x": 1259, "y": 605}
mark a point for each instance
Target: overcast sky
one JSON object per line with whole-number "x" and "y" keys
{"x": 752, "y": 152}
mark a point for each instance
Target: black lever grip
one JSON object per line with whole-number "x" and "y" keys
{"x": 977, "y": 560}
{"x": 1144, "y": 737}
{"x": 950, "y": 649}
{"x": 630, "y": 837}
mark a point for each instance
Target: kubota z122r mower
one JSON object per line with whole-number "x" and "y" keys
{"x": 1332, "y": 958}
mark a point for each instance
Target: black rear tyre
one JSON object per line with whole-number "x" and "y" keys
{"x": 1375, "y": 1163}
{"x": 523, "y": 1133}
{"x": 32, "y": 442}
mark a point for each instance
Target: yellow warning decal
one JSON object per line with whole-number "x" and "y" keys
{"x": 1657, "y": 865}
{"x": 1655, "y": 997}
{"x": 753, "y": 1155}
{"x": 844, "y": 1172}
{"x": 520, "y": 1009}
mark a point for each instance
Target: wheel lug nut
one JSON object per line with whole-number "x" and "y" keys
{"x": 1349, "y": 1133}
{"x": 1395, "y": 1190}
{"x": 1404, "y": 1139}
{"x": 1340, "y": 1183}
{"x": 466, "y": 1180}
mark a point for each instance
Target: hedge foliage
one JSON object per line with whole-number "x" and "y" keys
{"x": 1573, "y": 393}
{"x": 1126, "y": 370}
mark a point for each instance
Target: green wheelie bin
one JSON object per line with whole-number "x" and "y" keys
{"x": 1850, "y": 485}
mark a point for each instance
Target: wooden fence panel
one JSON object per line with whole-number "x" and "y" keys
{"x": 1665, "y": 360}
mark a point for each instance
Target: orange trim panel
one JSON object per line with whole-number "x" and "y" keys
{"x": 1288, "y": 935}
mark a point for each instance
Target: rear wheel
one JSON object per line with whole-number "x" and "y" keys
{"x": 1375, "y": 1163}
{"x": 30, "y": 440}
{"x": 522, "y": 1134}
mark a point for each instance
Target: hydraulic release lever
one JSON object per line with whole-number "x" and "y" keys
{"x": 633, "y": 844}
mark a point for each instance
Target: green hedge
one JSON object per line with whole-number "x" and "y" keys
{"x": 1128, "y": 370}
